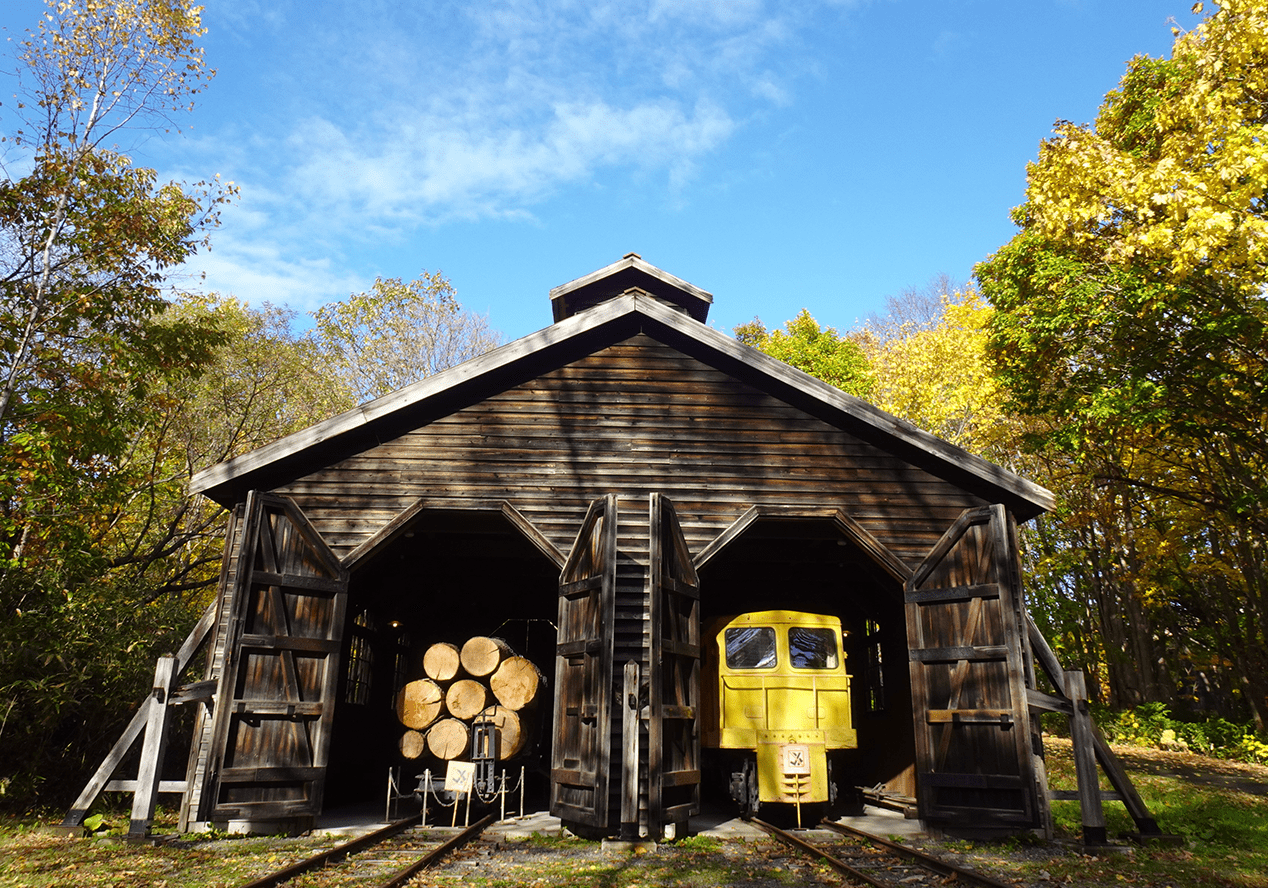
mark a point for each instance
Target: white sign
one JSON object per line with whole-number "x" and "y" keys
{"x": 459, "y": 776}
{"x": 796, "y": 758}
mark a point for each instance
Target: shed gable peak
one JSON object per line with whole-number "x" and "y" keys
{"x": 631, "y": 273}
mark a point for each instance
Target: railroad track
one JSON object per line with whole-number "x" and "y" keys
{"x": 386, "y": 858}
{"x": 877, "y": 862}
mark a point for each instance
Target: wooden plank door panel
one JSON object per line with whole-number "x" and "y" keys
{"x": 674, "y": 694}
{"x": 580, "y": 750}
{"x": 276, "y": 694}
{"x": 966, "y": 638}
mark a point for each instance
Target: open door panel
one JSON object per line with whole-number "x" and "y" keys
{"x": 966, "y": 634}
{"x": 580, "y": 752}
{"x": 674, "y": 695}
{"x": 276, "y": 692}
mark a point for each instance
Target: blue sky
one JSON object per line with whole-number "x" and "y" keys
{"x": 782, "y": 155}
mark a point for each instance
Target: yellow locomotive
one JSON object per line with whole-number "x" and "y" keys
{"x": 777, "y": 705}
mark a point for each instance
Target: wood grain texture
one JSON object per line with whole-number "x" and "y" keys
{"x": 420, "y": 703}
{"x": 441, "y": 661}
{"x": 465, "y": 698}
{"x": 516, "y": 682}
{"x": 449, "y": 739}
{"x": 635, "y": 417}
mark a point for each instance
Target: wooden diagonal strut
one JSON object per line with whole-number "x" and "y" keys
{"x": 1090, "y": 749}
{"x": 150, "y": 722}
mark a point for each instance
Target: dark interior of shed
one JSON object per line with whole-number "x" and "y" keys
{"x": 448, "y": 576}
{"x": 811, "y": 565}
{"x": 454, "y": 574}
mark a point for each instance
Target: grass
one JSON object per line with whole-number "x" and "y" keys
{"x": 1220, "y": 809}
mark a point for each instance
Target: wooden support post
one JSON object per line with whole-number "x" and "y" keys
{"x": 1081, "y": 737}
{"x": 1127, "y": 791}
{"x": 153, "y": 748}
{"x": 629, "y": 765}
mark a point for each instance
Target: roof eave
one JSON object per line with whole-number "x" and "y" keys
{"x": 621, "y": 317}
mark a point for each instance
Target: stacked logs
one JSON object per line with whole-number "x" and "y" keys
{"x": 484, "y": 679}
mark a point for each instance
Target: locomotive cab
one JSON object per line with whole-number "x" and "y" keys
{"x": 778, "y": 704}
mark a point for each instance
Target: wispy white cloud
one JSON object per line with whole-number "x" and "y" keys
{"x": 468, "y": 111}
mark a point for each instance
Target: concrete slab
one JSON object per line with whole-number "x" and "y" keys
{"x": 885, "y": 824}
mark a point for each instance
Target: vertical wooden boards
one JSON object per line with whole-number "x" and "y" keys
{"x": 199, "y": 765}
{"x": 275, "y": 698}
{"x": 674, "y": 692}
{"x": 581, "y": 751}
{"x": 970, "y": 712}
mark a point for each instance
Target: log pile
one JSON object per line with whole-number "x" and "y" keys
{"x": 481, "y": 680}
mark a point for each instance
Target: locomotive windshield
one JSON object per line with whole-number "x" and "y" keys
{"x": 812, "y": 648}
{"x": 750, "y": 647}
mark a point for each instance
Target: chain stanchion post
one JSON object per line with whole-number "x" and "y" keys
{"x": 391, "y": 786}
{"x": 521, "y": 791}
{"x": 426, "y": 792}
{"x": 503, "y": 794}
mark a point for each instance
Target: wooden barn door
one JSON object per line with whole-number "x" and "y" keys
{"x": 276, "y": 693}
{"x": 966, "y": 631}
{"x": 673, "y": 728}
{"x": 580, "y": 750}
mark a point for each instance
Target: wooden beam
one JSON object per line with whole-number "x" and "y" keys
{"x": 1119, "y": 780}
{"x": 153, "y": 749}
{"x": 97, "y": 783}
{"x": 1090, "y": 806}
{"x": 1044, "y": 655}
{"x": 629, "y": 748}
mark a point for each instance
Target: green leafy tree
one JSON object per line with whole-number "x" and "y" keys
{"x": 86, "y": 241}
{"x": 1131, "y": 327}
{"x": 397, "y": 333}
{"x": 819, "y": 351}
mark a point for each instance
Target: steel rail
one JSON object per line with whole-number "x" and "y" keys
{"x": 806, "y": 848}
{"x": 330, "y": 855}
{"x": 941, "y": 867}
{"x": 403, "y": 875}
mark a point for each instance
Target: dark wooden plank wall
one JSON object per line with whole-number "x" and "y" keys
{"x": 633, "y": 418}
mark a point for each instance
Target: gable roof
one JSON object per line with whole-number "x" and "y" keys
{"x": 631, "y": 272}
{"x": 591, "y": 330}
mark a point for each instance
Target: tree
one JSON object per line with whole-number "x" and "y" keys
{"x": 397, "y": 333}
{"x": 1131, "y": 324}
{"x": 86, "y": 241}
{"x": 928, "y": 360}
{"x": 819, "y": 351}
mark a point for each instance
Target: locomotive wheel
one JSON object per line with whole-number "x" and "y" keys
{"x": 750, "y": 802}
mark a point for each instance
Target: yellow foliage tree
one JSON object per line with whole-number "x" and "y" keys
{"x": 935, "y": 374}
{"x": 1176, "y": 169}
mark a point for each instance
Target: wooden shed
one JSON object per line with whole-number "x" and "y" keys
{"x": 596, "y": 490}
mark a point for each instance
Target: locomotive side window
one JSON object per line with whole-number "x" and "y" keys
{"x": 750, "y": 647}
{"x": 811, "y": 648}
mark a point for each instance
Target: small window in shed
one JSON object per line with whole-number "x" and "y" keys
{"x": 750, "y": 647}
{"x": 812, "y": 647}
{"x": 874, "y": 674}
{"x": 360, "y": 660}
{"x": 401, "y": 673}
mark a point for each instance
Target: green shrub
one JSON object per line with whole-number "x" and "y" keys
{"x": 1153, "y": 725}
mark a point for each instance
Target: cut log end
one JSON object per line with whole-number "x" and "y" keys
{"x": 516, "y": 683}
{"x": 420, "y": 703}
{"x": 466, "y": 698}
{"x": 412, "y": 744}
{"x": 449, "y": 739}
{"x": 512, "y": 736}
{"x": 481, "y": 655}
{"x": 442, "y": 661}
